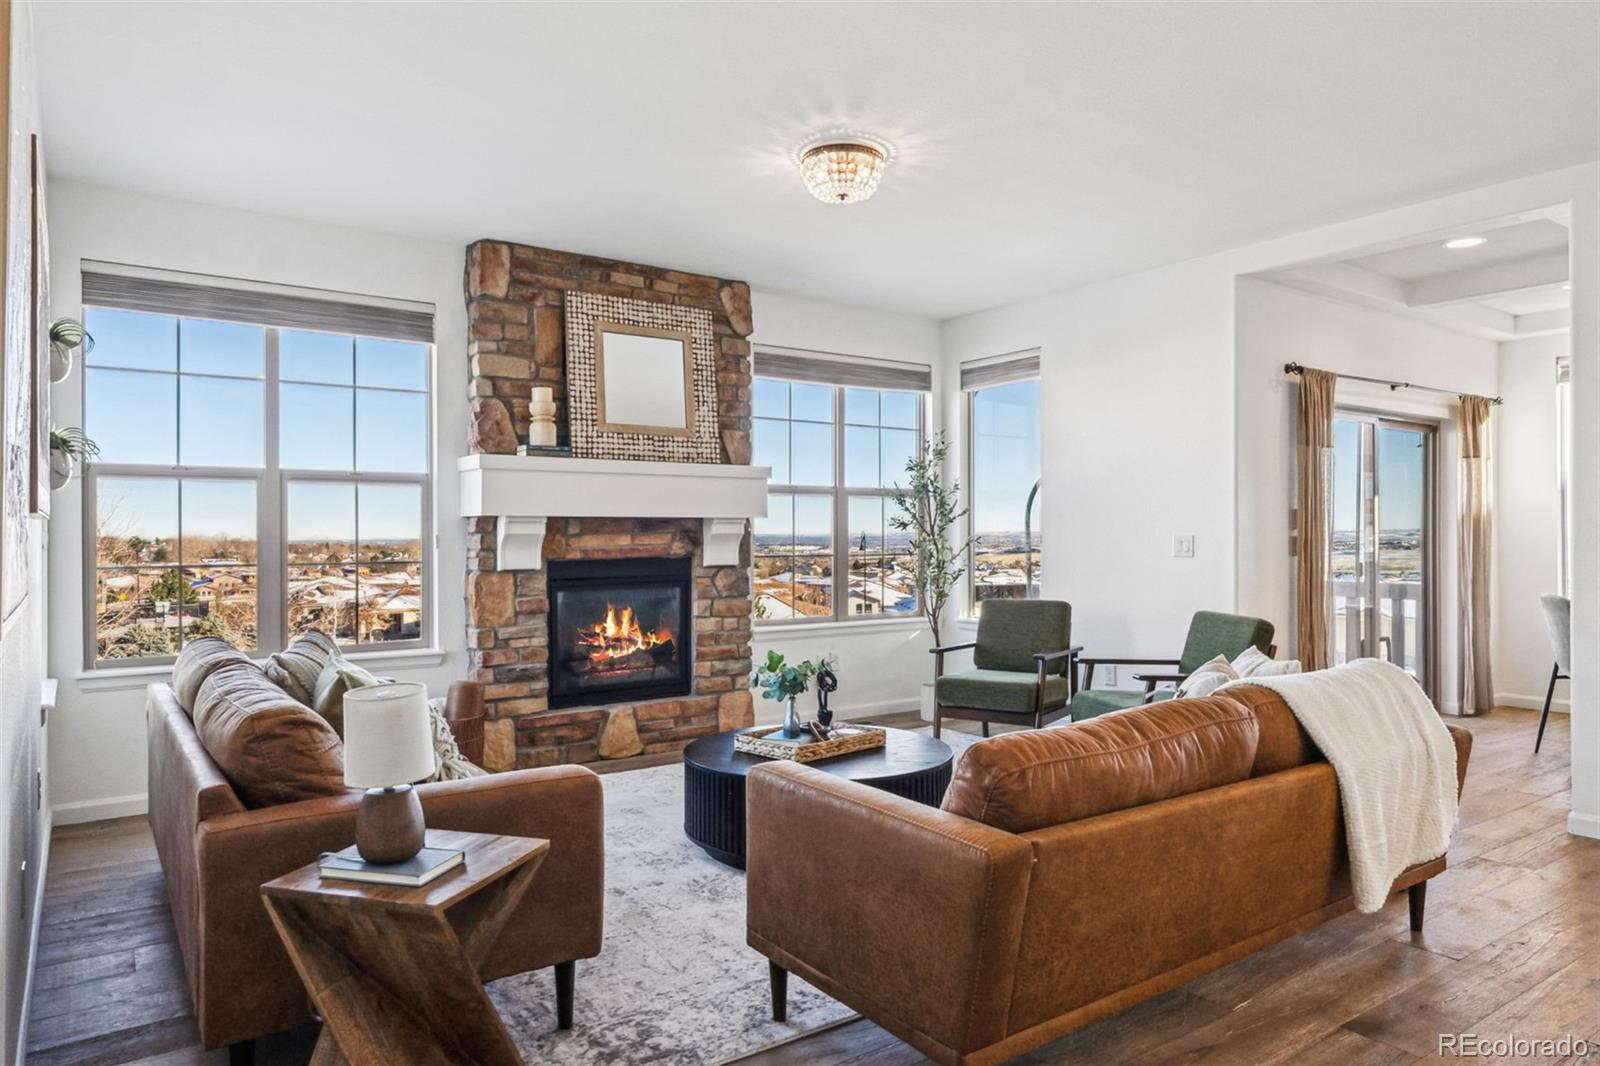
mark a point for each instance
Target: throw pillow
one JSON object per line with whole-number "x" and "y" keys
{"x": 296, "y": 668}
{"x": 198, "y": 660}
{"x": 1249, "y": 662}
{"x": 1278, "y": 668}
{"x": 338, "y": 677}
{"x": 271, "y": 747}
{"x": 1207, "y": 678}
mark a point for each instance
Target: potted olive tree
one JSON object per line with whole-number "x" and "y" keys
{"x": 929, "y": 510}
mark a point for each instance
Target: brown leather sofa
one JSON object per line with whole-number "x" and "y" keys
{"x": 1073, "y": 872}
{"x": 216, "y": 851}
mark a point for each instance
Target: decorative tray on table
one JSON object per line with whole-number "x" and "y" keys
{"x": 807, "y": 747}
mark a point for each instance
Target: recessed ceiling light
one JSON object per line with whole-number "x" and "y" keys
{"x": 1458, "y": 243}
{"x": 1567, "y": 287}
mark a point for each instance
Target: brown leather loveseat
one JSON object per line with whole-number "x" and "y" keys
{"x": 1072, "y": 873}
{"x": 218, "y": 843}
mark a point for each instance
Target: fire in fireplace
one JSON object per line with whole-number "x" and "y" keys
{"x": 619, "y": 630}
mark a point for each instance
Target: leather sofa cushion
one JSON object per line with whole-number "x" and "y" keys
{"x": 272, "y": 748}
{"x": 196, "y": 662}
{"x": 1283, "y": 743}
{"x": 296, "y": 668}
{"x": 1030, "y": 780}
{"x": 998, "y": 690}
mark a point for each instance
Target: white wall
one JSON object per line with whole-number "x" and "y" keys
{"x": 26, "y": 824}
{"x": 97, "y": 743}
{"x": 1277, "y": 324}
{"x": 1528, "y": 520}
{"x": 1136, "y": 390}
{"x": 882, "y": 663}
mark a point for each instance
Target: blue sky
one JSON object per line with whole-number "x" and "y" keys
{"x": 1005, "y": 461}
{"x": 1400, "y": 476}
{"x": 159, "y": 390}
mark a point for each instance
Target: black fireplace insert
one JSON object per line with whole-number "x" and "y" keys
{"x": 619, "y": 630}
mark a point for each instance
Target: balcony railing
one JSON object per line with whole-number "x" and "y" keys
{"x": 1399, "y": 638}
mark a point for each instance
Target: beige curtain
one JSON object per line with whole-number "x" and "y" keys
{"x": 1315, "y": 486}
{"x": 1477, "y": 528}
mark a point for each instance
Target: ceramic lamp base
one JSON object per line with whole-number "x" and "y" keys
{"x": 389, "y": 825}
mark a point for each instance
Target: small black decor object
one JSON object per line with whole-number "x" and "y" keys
{"x": 827, "y": 681}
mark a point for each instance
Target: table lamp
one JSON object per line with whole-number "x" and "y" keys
{"x": 388, "y": 744}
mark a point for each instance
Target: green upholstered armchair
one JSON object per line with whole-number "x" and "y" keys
{"x": 1025, "y": 669}
{"x": 1210, "y": 634}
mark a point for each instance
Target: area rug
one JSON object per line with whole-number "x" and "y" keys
{"x": 675, "y": 982}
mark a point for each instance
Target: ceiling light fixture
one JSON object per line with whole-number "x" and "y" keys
{"x": 1458, "y": 243}
{"x": 844, "y": 171}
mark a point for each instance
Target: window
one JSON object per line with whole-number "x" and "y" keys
{"x": 254, "y": 481}
{"x": 1003, "y": 460}
{"x": 826, "y": 550}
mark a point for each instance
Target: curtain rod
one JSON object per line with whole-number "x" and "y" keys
{"x": 1295, "y": 368}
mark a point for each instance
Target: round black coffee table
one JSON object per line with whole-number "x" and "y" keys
{"x": 909, "y": 764}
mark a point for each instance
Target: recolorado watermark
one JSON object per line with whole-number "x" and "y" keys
{"x": 1472, "y": 1046}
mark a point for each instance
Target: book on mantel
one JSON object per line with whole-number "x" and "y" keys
{"x": 425, "y": 866}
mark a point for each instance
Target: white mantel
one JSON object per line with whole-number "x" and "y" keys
{"x": 523, "y": 492}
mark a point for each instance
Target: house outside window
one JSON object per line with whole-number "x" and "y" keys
{"x": 1003, "y": 478}
{"x": 263, "y": 469}
{"x": 837, "y": 436}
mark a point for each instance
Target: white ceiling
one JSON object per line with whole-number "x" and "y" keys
{"x": 1503, "y": 244}
{"x": 1038, "y": 145}
{"x": 1512, "y": 286}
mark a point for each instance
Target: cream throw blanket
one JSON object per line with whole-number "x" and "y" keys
{"x": 1394, "y": 759}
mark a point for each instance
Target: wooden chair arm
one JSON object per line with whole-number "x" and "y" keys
{"x": 1089, "y": 664}
{"x": 1156, "y": 679}
{"x": 939, "y": 653}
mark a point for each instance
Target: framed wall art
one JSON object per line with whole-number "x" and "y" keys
{"x": 641, "y": 380}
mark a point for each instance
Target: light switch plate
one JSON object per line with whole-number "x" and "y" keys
{"x": 1183, "y": 546}
{"x": 1111, "y": 676}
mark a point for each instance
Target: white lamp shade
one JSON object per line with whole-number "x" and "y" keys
{"x": 387, "y": 737}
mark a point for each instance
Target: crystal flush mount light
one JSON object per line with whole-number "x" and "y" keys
{"x": 843, "y": 171}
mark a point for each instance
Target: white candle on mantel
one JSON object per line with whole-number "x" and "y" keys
{"x": 541, "y": 417}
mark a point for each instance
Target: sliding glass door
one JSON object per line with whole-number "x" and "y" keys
{"x": 1383, "y": 553}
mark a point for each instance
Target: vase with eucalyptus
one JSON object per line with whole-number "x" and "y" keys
{"x": 779, "y": 680}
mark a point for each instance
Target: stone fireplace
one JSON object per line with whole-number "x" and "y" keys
{"x": 558, "y": 545}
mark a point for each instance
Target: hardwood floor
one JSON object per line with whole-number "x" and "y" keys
{"x": 1511, "y": 945}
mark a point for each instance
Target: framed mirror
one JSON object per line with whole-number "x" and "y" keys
{"x": 644, "y": 380}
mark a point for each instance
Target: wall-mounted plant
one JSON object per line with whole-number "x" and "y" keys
{"x": 66, "y": 336}
{"x": 70, "y": 448}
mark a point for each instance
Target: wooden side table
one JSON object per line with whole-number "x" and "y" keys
{"x": 394, "y": 971}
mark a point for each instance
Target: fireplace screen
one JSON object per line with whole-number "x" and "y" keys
{"x": 619, "y": 630}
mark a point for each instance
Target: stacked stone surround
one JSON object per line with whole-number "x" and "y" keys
{"x": 516, "y": 339}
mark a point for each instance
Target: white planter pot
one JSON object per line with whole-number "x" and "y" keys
{"x": 60, "y": 364}
{"x": 61, "y": 470}
{"x": 927, "y": 701}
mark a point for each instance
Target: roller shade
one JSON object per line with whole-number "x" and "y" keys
{"x": 258, "y": 306}
{"x": 792, "y": 365}
{"x": 985, "y": 373}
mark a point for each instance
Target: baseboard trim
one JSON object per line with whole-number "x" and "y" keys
{"x": 1584, "y": 825}
{"x": 100, "y": 810}
{"x": 770, "y": 712}
{"x": 35, "y": 928}
{"x": 1531, "y": 703}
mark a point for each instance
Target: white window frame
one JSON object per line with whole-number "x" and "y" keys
{"x": 841, "y": 495}
{"x": 272, "y": 484}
